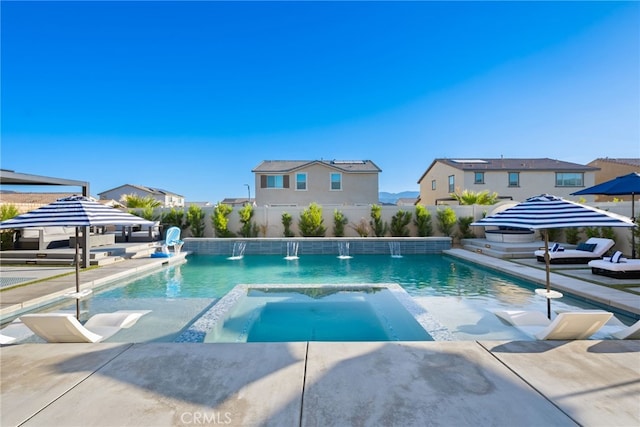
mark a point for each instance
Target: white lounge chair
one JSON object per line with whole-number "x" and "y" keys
{"x": 578, "y": 256}
{"x": 574, "y": 325}
{"x": 614, "y": 328}
{"x": 623, "y": 269}
{"x": 65, "y": 328}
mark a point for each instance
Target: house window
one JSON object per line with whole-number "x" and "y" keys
{"x": 274, "y": 181}
{"x": 336, "y": 181}
{"x": 452, "y": 184}
{"x": 514, "y": 179}
{"x": 478, "y": 178}
{"x": 301, "y": 181}
{"x": 572, "y": 179}
{"x": 433, "y": 185}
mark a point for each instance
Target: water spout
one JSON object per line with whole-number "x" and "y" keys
{"x": 343, "y": 250}
{"x": 394, "y": 248}
{"x": 292, "y": 251}
{"x": 238, "y": 250}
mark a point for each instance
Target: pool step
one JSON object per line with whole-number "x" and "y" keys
{"x": 502, "y": 250}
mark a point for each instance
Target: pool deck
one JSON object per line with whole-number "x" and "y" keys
{"x": 524, "y": 383}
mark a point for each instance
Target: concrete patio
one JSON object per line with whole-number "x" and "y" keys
{"x": 590, "y": 383}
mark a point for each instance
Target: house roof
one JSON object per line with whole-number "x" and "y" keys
{"x": 283, "y": 166}
{"x": 506, "y": 164}
{"x": 151, "y": 190}
{"x": 622, "y": 161}
{"x": 15, "y": 197}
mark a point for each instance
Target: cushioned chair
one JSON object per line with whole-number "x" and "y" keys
{"x": 616, "y": 266}
{"x": 594, "y": 248}
{"x": 574, "y": 325}
{"x": 65, "y": 328}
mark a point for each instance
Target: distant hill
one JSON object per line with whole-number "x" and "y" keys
{"x": 391, "y": 198}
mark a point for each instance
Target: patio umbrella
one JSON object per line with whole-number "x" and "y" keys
{"x": 624, "y": 185}
{"x": 74, "y": 211}
{"x": 547, "y": 211}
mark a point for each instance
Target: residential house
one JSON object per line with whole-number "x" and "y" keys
{"x": 613, "y": 168}
{"x": 167, "y": 198}
{"x": 326, "y": 182}
{"x": 516, "y": 179}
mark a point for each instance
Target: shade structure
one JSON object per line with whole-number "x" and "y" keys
{"x": 74, "y": 211}
{"x": 625, "y": 185}
{"x": 547, "y": 211}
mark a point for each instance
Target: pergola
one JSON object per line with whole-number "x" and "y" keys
{"x": 9, "y": 177}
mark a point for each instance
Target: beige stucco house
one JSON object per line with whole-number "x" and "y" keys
{"x": 516, "y": 179}
{"x": 326, "y": 182}
{"x": 612, "y": 168}
{"x": 167, "y": 198}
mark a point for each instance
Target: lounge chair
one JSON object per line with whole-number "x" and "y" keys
{"x": 614, "y": 328}
{"x": 65, "y": 328}
{"x": 622, "y": 269}
{"x": 172, "y": 239}
{"x": 575, "y": 325}
{"x": 582, "y": 254}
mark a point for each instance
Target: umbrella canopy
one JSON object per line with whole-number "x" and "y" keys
{"x": 74, "y": 211}
{"x": 547, "y": 211}
{"x": 624, "y": 185}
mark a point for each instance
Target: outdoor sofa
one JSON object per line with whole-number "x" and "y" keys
{"x": 616, "y": 266}
{"x": 41, "y": 238}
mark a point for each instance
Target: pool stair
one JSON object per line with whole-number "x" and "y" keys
{"x": 99, "y": 256}
{"x": 508, "y": 250}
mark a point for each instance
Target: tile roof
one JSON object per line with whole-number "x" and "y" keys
{"x": 145, "y": 189}
{"x": 515, "y": 164}
{"x": 273, "y": 166}
{"x": 628, "y": 161}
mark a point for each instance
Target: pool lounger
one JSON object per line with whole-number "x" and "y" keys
{"x": 624, "y": 269}
{"x": 65, "y": 328}
{"x": 577, "y": 256}
{"x": 574, "y": 325}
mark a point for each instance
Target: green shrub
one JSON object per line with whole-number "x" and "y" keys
{"x": 423, "y": 221}
{"x": 7, "y": 236}
{"x": 311, "y": 222}
{"x": 287, "y": 219}
{"x": 554, "y": 234}
{"x": 195, "y": 220}
{"x": 220, "y": 220}
{"x": 134, "y": 201}
{"x": 464, "y": 227}
{"x": 399, "y": 223}
{"x": 446, "y": 220}
{"x": 378, "y": 226}
{"x": 249, "y": 229}
{"x": 339, "y": 221}
{"x": 173, "y": 218}
{"x": 572, "y": 235}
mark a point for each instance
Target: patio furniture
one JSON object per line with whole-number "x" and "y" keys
{"x": 623, "y": 269}
{"x": 582, "y": 254}
{"x": 574, "y": 325}
{"x": 65, "y": 328}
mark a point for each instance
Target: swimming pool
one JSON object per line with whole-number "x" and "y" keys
{"x": 460, "y": 295}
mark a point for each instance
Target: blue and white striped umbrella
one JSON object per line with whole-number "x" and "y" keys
{"x": 74, "y": 211}
{"x": 546, "y": 211}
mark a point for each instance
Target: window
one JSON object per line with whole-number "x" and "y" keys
{"x": 336, "y": 181}
{"x": 433, "y": 185}
{"x": 452, "y": 184}
{"x": 301, "y": 181}
{"x": 572, "y": 179}
{"x": 274, "y": 181}
{"x": 478, "y": 178}
{"x": 514, "y": 179}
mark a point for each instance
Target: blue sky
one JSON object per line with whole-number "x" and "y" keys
{"x": 191, "y": 96}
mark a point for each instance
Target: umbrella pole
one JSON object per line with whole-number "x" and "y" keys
{"x": 547, "y": 262}
{"x": 77, "y": 263}
{"x": 633, "y": 230}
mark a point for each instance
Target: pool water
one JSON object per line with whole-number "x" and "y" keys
{"x": 460, "y": 295}
{"x": 317, "y": 314}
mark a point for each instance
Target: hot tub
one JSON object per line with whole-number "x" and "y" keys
{"x": 510, "y": 235}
